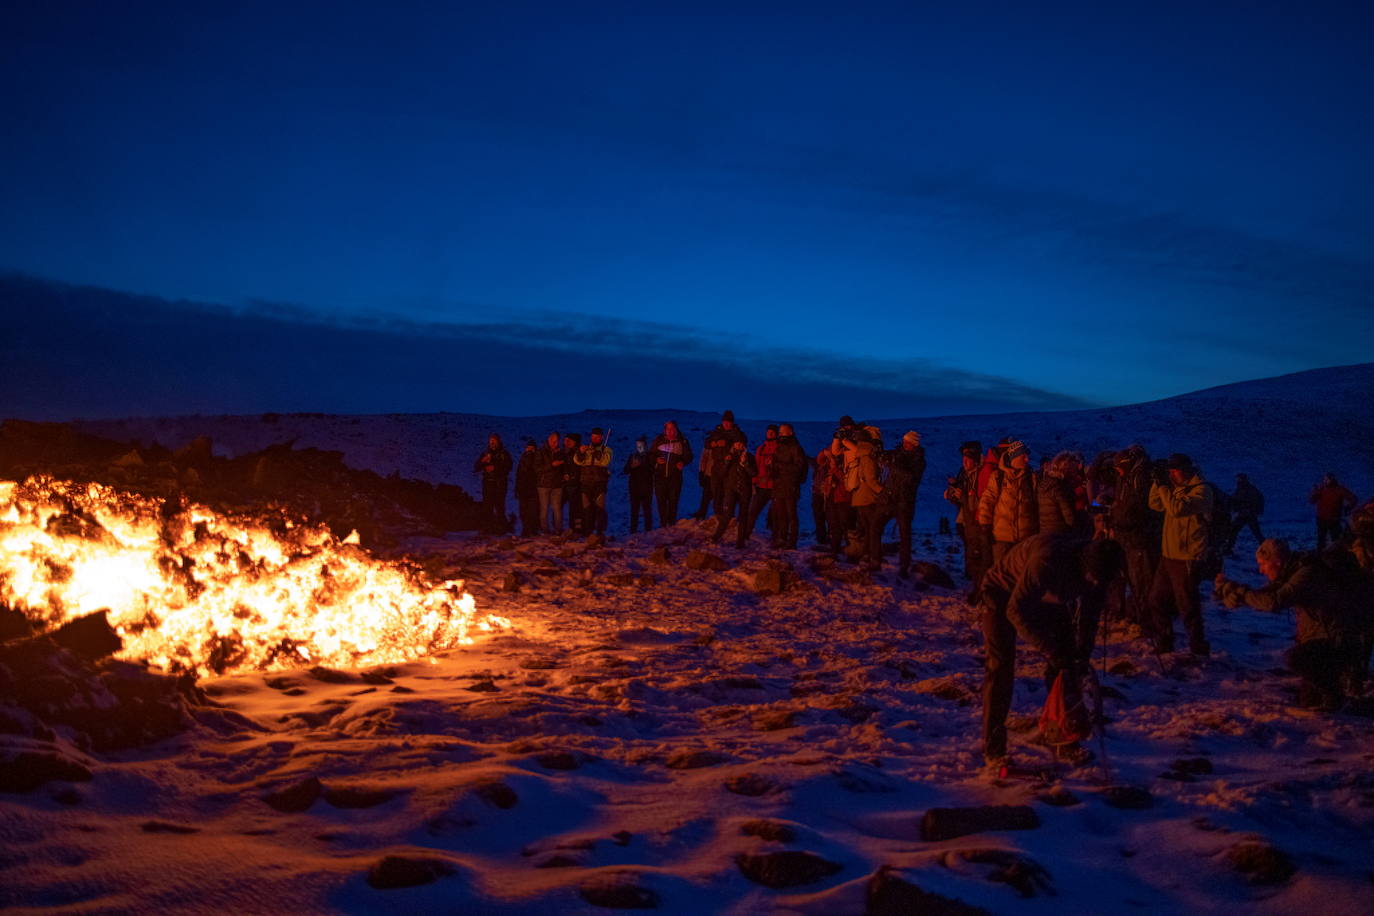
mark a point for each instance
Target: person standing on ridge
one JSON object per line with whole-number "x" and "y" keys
{"x": 1333, "y": 501}
{"x": 494, "y": 465}
{"x": 1185, "y": 498}
{"x": 640, "y": 469}
{"x": 671, "y": 453}
{"x": 594, "y": 474}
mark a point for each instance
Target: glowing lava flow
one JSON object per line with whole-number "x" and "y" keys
{"x": 190, "y": 589}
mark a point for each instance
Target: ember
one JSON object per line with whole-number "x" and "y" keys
{"x": 190, "y": 589}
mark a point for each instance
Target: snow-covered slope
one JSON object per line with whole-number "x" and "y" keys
{"x": 1284, "y": 432}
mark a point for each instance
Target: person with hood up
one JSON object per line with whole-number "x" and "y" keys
{"x": 1185, "y": 498}
{"x": 1008, "y": 504}
{"x": 550, "y": 462}
{"x": 1056, "y": 499}
{"x": 1332, "y": 501}
{"x": 1136, "y": 528}
{"x": 594, "y": 472}
{"x": 719, "y": 444}
{"x": 907, "y": 465}
{"x": 640, "y": 469}
{"x": 527, "y": 490}
{"x": 790, "y": 466}
{"x": 671, "y": 453}
{"x": 740, "y": 471}
{"x": 494, "y": 465}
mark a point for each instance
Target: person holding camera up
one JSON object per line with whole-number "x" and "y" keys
{"x": 1179, "y": 492}
{"x": 740, "y": 471}
{"x": 594, "y": 463}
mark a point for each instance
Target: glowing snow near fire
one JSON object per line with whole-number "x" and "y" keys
{"x": 188, "y": 588}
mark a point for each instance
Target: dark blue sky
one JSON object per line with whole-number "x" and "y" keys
{"x": 1101, "y": 202}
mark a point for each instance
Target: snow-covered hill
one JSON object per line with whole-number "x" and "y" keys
{"x": 1284, "y": 432}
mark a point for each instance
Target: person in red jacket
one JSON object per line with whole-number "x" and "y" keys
{"x": 1333, "y": 501}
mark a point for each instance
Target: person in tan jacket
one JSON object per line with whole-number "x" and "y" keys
{"x": 1009, "y": 502}
{"x": 1186, "y": 501}
{"x": 862, "y": 480}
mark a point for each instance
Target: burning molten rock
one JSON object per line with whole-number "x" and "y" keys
{"x": 188, "y": 589}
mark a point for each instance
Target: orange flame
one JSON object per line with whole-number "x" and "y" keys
{"x": 190, "y": 589}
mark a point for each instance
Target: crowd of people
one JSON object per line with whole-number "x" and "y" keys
{"x": 1048, "y": 550}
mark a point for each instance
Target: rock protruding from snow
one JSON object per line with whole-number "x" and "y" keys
{"x": 1261, "y": 863}
{"x": 25, "y": 769}
{"x": 617, "y": 891}
{"x": 932, "y": 573}
{"x": 1128, "y": 798}
{"x": 703, "y": 560}
{"x": 948, "y": 823}
{"x": 890, "y": 894}
{"x": 788, "y": 868}
{"x": 773, "y": 581}
{"x": 407, "y": 871}
{"x": 296, "y": 797}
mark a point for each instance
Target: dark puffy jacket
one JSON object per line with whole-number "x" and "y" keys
{"x": 1131, "y": 519}
{"x": 1055, "y": 499}
{"x": 739, "y": 472}
{"x": 1009, "y": 505}
{"x": 790, "y": 465}
{"x": 640, "y": 469}
{"x": 1247, "y": 501}
{"x": 906, "y": 468}
{"x": 549, "y": 474}
{"x": 494, "y": 465}
{"x": 1041, "y": 576}
{"x": 718, "y": 445}
{"x": 670, "y": 456}
{"x": 1331, "y": 500}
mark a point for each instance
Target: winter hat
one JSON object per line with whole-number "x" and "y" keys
{"x": 728, "y": 415}
{"x": 773, "y": 427}
{"x": 576, "y": 438}
{"x": 596, "y": 431}
{"x": 972, "y": 448}
{"x": 1015, "y": 448}
{"x": 644, "y": 439}
{"x": 912, "y": 436}
{"x": 1180, "y": 462}
{"x": 847, "y": 420}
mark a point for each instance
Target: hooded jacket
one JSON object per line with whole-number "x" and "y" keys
{"x": 861, "y": 473}
{"x": 1008, "y": 503}
{"x": 1187, "y": 515}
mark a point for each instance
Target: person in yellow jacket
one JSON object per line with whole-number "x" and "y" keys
{"x": 1185, "y": 498}
{"x": 864, "y": 485}
{"x": 1008, "y": 505}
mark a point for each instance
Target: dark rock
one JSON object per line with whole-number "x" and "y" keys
{"x": 297, "y": 797}
{"x": 407, "y": 871}
{"x": 357, "y": 796}
{"x": 496, "y": 793}
{"x": 1261, "y": 863}
{"x": 772, "y": 581}
{"x": 621, "y": 580}
{"x": 535, "y": 663}
{"x": 775, "y": 719}
{"x": 701, "y": 560}
{"x": 659, "y": 556}
{"x": 512, "y": 582}
{"x": 1128, "y": 798}
{"x": 377, "y": 677}
{"x": 694, "y": 760}
{"x": 948, "y": 823}
{"x": 769, "y": 830}
{"x": 558, "y": 760}
{"x": 23, "y": 770}
{"x": 932, "y": 573}
{"x": 622, "y": 837}
{"x": 750, "y": 784}
{"x": 330, "y": 675}
{"x": 166, "y": 827}
{"x": 889, "y": 894}
{"x": 788, "y": 868}
{"x": 89, "y": 638}
{"x": 617, "y": 892}
{"x": 483, "y": 687}
{"x": 949, "y": 687}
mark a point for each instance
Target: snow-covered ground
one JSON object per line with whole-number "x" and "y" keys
{"x": 646, "y": 732}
